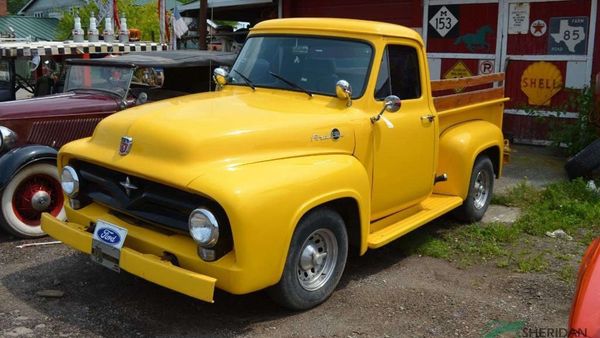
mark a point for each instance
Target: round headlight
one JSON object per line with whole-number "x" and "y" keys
{"x": 69, "y": 181}
{"x": 8, "y": 138}
{"x": 204, "y": 228}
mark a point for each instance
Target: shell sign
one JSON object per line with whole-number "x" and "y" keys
{"x": 540, "y": 81}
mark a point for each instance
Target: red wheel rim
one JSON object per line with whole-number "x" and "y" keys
{"x": 22, "y": 198}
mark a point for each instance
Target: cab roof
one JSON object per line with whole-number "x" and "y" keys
{"x": 337, "y": 25}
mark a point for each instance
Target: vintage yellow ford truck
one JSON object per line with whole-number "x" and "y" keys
{"x": 323, "y": 139}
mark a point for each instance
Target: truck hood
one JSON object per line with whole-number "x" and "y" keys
{"x": 229, "y": 128}
{"x": 58, "y": 105}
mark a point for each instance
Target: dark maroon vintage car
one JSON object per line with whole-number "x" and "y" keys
{"x": 32, "y": 130}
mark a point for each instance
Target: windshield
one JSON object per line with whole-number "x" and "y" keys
{"x": 105, "y": 78}
{"x": 306, "y": 64}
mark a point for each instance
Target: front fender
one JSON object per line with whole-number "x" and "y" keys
{"x": 265, "y": 201}
{"x": 14, "y": 160}
{"x": 459, "y": 147}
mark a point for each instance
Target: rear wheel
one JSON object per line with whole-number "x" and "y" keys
{"x": 315, "y": 261}
{"x": 481, "y": 187}
{"x": 33, "y": 190}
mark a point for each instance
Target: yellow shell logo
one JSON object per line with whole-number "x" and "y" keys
{"x": 540, "y": 81}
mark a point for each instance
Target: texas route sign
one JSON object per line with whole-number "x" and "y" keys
{"x": 568, "y": 35}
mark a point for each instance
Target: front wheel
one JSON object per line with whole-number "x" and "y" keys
{"x": 315, "y": 262}
{"x": 33, "y": 190}
{"x": 481, "y": 187}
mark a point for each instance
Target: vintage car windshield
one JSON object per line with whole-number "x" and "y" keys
{"x": 296, "y": 63}
{"x": 103, "y": 78}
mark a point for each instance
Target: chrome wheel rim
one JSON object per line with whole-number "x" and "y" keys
{"x": 482, "y": 189}
{"x": 317, "y": 260}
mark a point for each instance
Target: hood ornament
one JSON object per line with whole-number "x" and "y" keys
{"x": 128, "y": 186}
{"x": 125, "y": 146}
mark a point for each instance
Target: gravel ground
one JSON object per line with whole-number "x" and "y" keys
{"x": 383, "y": 293}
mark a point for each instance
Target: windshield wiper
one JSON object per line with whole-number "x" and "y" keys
{"x": 277, "y": 76}
{"x": 245, "y": 79}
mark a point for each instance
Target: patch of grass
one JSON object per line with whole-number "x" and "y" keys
{"x": 435, "y": 247}
{"x": 569, "y": 206}
{"x": 527, "y": 263}
{"x": 521, "y": 195}
{"x": 568, "y": 273}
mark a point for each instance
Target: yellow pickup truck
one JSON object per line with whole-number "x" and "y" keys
{"x": 323, "y": 139}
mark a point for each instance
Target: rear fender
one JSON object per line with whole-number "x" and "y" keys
{"x": 16, "y": 159}
{"x": 459, "y": 146}
{"x": 265, "y": 201}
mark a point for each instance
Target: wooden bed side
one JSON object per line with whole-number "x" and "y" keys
{"x": 451, "y": 101}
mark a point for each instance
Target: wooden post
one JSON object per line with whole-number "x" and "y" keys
{"x": 202, "y": 28}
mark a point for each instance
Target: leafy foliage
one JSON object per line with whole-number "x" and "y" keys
{"x": 576, "y": 136}
{"x": 14, "y": 6}
{"x": 144, "y": 18}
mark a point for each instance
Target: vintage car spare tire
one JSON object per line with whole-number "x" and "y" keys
{"x": 33, "y": 190}
{"x": 585, "y": 161}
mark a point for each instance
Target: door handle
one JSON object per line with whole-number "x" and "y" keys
{"x": 427, "y": 118}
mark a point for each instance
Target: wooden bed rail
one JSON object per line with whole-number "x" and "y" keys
{"x": 446, "y": 102}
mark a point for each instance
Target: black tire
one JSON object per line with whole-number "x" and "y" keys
{"x": 585, "y": 161}
{"x": 295, "y": 290}
{"x": 481, "y": 188}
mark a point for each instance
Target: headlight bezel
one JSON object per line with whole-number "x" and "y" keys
{"x": 8, "y": 138}
{"x": 213, "y": 227}
{"x": 75, "y": 180}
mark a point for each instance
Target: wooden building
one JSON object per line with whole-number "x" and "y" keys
{"x": 546, "y": 47}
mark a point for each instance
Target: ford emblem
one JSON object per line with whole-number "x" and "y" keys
{"x": 125, "y": 146}
{"x": 108, "y": 236}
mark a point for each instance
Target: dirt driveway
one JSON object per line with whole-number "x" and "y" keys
{"x": 384, "y": 293}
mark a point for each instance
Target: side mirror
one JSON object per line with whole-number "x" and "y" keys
{"x": 220, "y": 77}
{"x": 141, "y": 98}
{"x": 343, "y": 90}
{"x": 391, "y": 104}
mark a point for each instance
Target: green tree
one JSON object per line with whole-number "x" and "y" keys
{"x": 144, "y": 18}
{"x": 14, "y": 6}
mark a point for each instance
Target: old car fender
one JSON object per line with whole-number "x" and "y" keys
{"x": 14, "y": 160}
{"x": 459, "y": 146}
{"x": 265, "y": 201}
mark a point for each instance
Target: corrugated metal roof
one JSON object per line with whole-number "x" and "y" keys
{"x": 41, "y": 29}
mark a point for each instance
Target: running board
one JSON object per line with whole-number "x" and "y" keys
{"x": 430, "y": 209}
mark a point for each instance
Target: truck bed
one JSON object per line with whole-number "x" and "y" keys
{"x": 454, "y": 104}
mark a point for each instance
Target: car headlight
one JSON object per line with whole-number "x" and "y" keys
{"x": 204, "y": 228}
{"x": 69, "y": 181}
{"x": 8, "y": 138}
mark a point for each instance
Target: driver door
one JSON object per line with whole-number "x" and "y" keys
{"x": 403, "y": 155}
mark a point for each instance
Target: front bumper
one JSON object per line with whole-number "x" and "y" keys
{"x": 149, "y": 266}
